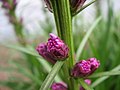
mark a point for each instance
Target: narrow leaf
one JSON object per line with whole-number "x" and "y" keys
{"x": 83, "y": 42}
{"x": 21, "y": 48}
{"x": 101, "y": 74}
{"x": 50, "y": 78}
{"x": 48, "y": 68}
{"x": 26, "y": 73}
{"x": 74, "y": 14}
{"x": 101, "y": 79}
{"x": 84, "y": 85}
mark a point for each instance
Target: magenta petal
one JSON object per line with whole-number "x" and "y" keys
{"x": 57, "y": 47}
{"x": 42, "y": 50}
{"x": 94, "y": 64}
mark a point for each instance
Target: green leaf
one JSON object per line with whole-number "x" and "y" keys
{"x": 83, "y": 42}
{"x": 21, "y": 48}
{"x": 25, "y": 72}
{"x": 31, "y": 51}
{"x": 74, "y": 14}
{"x": 50, "y": 78}
{"x": 16, "y": 85}
{"x": 101, "y": 79}
{"x": 101, "y": 74}
{"x": 48, "y": 68}
{"x": 85, "y": 85}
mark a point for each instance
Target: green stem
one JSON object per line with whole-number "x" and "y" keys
{"x": 50, "y": 78}
{"x": 64, "y": 24}
{"x": 63, "y": 21}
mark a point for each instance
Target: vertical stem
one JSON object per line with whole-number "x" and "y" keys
{"x": 63, "y": 21}
{"x": 64, "y": 24}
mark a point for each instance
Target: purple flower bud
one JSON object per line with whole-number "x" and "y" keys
{"x": 8, "y": 5}
{"x": 48, "y": 4}
{"x": 59, "y": 86}
{"x": 76, "y": 4}
{"x": 42, "y": 50}
{"x": 55, "y": 49}
{"x": 5, "y": 4}
{"x": 88, "y": 81}
{"x": 84, "y": 68}
{"x": 94, "y": 64}
{"x": 81, "y": 69}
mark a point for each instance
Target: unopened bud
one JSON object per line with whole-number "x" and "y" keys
{"x": 59, "y": 86}
{"x": 85, "y": 68}
{"x": 55, "y": 49}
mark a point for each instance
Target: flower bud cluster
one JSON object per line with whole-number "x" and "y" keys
{"x": 85, "y": 68}
{"x": 55, "y": 49}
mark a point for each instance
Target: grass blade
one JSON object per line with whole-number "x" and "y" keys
{"x": 86, "y": 86}
{"x": 50, "y": 78}
{"x": 74, "y": 14}
{"x": 21, "y": 48}
{"x": 101, "y": 74}
{"x": 82, "y": 44}
{"x": 27, "y": 73}
{"x": 101, "y": 79}
{"x": 48, "y": 68}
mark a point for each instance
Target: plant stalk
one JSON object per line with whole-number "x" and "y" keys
{"x": 62, "y": 15}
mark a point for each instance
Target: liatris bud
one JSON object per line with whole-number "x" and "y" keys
{"x": 42, "y": 50}
{"x": 8, "y": 5}
{"x": 94, "y": 64}
{"x": 55, "y": 49}
{"x": 59, "y": 86}
{"x": 48, "y": 4}
{"x": 76, "y": 5}
{"x": 85, "y": 67}
{"x": 81, "y": 69}
{"x": 88, "y": 81}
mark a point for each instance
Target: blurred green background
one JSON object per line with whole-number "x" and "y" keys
{"x": 20, "y": 66}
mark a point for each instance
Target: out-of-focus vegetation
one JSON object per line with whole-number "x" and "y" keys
{"x": 28, "y": 70}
